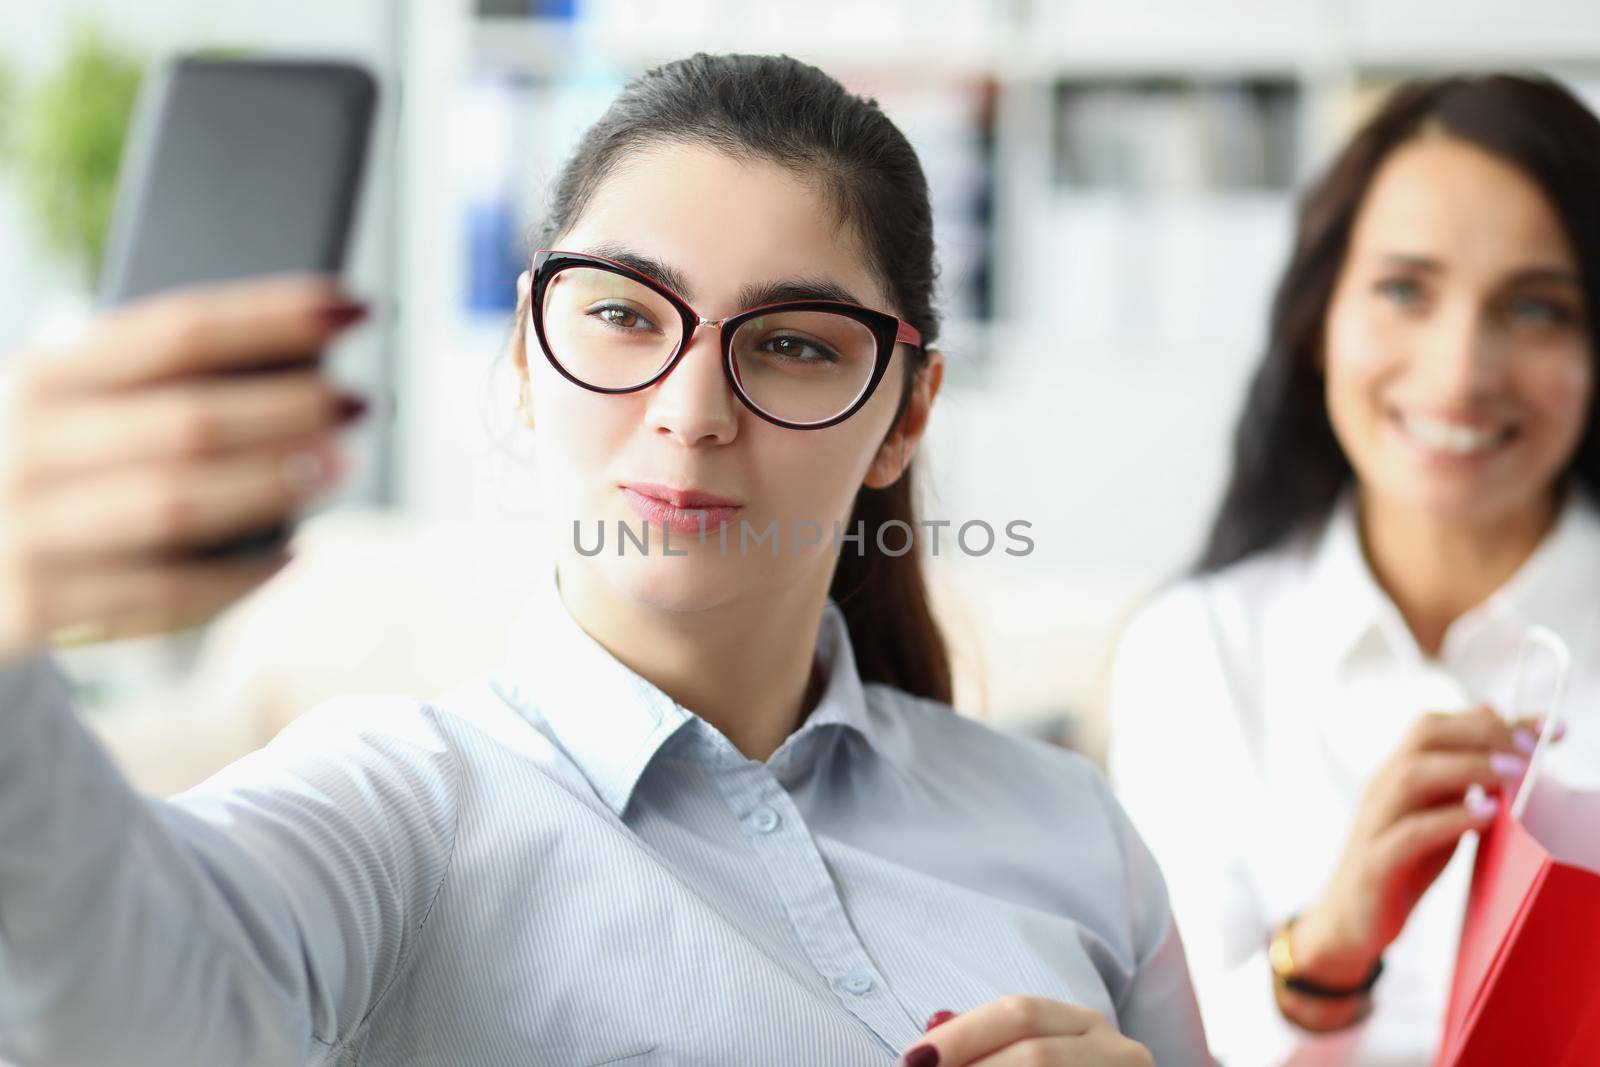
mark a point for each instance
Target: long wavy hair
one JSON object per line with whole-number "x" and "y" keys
{"x": 779, "y": 109}
{"x": 1288, "y": 468}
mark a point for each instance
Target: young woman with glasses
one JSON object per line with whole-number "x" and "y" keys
{"x": 714, "y": 809}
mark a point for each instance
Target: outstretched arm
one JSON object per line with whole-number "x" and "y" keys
{"x": 248, "y": 921}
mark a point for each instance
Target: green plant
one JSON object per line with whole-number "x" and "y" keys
{"x": 8, "y": 105}
{"x": 65, "y": 137}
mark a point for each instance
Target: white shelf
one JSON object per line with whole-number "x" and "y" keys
{"x": 1223, "y": 38}
{"x": 543, "y": 48}
{"x": 538, "y": 48}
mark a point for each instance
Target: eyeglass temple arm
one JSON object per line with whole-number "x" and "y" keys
{"x": 908, "y": 334}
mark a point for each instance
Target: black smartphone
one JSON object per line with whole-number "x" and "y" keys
{"x": 235, "y": 168}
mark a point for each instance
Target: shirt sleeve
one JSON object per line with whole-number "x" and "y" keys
{"x": 255, "y": 919}
{"x": 1158, "y": 1008}
{"x": 1181, "y": 763}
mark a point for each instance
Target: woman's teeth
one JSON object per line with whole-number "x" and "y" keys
{"x": 1452, "y": 438}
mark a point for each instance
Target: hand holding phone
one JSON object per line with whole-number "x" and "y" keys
{"x": 129, "y": 451}
{"x": 238, "y": 169}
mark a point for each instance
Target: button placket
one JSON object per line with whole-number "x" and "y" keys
{"x": 855, "y": 984}
{"x": 779, "y": 836}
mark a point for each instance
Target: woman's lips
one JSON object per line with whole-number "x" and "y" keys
{"x": 1449, "y": 443}
{"x": 688, "y": 520}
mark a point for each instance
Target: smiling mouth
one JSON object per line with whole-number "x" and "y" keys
{"x": 1453, "y": 438}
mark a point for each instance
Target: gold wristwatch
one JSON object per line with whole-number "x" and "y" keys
{"x": 1284, "y": 974}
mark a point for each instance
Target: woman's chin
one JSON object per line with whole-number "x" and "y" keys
{"x": 668, "y": 583}
{"x": 1465, "y": 501}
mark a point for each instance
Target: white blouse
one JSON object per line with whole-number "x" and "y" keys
{"x": 1249, "y": 709}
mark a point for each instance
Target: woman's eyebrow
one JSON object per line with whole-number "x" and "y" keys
{"x": 1412, "y": 262}
{"x": 647, "y": 265}
{"x": 1546, "y": 275}
{"x": 756, "y": 294}
{"x": 777, "y": 292}
{"x": 1532, "y": 275}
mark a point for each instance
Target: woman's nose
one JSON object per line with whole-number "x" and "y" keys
{"x": 694, "y": 402}
{"x": 1465, "y": 356}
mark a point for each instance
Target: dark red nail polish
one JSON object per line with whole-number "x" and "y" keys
{"x": 351, "y": 407}
{"x": 921, "y": 1056}
{"x": 938, "y": 1018}
{"x": 336, "y": 315}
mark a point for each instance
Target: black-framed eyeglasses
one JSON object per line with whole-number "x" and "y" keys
{"x": 802, "y": 364}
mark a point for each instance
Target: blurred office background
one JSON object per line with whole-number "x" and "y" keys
{"x": 1114, "y": 182}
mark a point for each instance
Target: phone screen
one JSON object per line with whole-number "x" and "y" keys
{"x": 238, "y": 168}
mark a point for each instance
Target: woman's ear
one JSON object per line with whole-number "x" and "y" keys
{"x": 519, "y": 349}
{"x": 524, "y": 402}
{"x": 519, "y": 343}
{"x": 897, "y": 450}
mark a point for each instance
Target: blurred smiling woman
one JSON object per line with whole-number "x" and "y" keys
{"x": 1297, "y": 728}
{"x": 716, "y": 808}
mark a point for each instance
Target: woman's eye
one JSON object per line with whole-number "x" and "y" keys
{"x": 799, "y": 350}
{"x": 1402, "y": 291}
{"x": 1535, "y": 312}
{"x": 623, "y": 318}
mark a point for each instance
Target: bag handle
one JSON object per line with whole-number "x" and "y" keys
{"x": 1539, "y": 637}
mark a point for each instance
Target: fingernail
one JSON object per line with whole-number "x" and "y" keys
{"x": 336, "y": 315}
{"x": 1507, "y": 764}
{"x": 1540, "y": 722}
{"x": 1525, "y": 741}
{"x": 921, "y": 1056}
{"x": 351, "y": 408}
{"x": 938, "y": 1018}
{"x": 1483, "y": 807}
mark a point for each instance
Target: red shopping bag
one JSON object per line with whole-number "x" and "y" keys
{"x": 1526, "y": 988}
{"x": 1527, "y": 979}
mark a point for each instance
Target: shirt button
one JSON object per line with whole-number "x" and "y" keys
{"x": 856, "y": 983}
{"x": 764, "y": 819}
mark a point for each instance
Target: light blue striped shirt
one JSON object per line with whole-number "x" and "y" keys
{"x": 558, "y": 865}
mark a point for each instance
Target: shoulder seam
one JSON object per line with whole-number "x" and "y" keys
{"x": 409, "y": 951}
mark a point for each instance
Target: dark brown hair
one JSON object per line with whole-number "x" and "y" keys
{"x": 778, "y": 109}
{"x": 1288, "y": 468}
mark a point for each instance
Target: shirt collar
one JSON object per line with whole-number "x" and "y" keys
{"x": 612, "y": 722}
{"x": 1348, "y": 604}
{"x": 1553, "y": 587}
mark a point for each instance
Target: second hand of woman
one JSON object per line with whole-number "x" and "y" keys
{"x": 1018, "y": 1031}
{"x": 1412, "y": 815}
